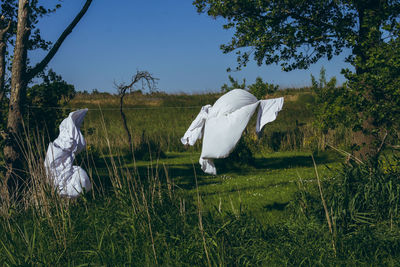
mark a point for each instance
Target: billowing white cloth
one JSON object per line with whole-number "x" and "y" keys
{"x": 223, "y": 124}
{"x": 68, "y": 179}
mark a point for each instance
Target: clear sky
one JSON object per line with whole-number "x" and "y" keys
{"x": 168, "y": 38}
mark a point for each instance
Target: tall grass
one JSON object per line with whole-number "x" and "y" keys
{"x": 139, "y": 216}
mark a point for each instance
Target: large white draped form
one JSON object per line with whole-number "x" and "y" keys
{"x": 68, "y": 179}
{"x": 223, "y": 124}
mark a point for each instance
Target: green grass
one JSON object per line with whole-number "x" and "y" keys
{"x": 163, "y": 119}
{"x": 264, "y": 189}
{"x": 166, "y": 211}
{"x": 112, "y": 230}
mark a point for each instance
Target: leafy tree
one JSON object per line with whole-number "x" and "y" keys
{"x": 371, "y": 96}
{"x": 27, "y": 37}
{"x": 41, "y": 100}
{"x": 234, "y": 85}
{"x": 8, "y": 29}
{"x": 296, "y": 34}
{"x": 260, "y": 88}
{"x": 376, "y": 92}
{"x": 329, "y": 108}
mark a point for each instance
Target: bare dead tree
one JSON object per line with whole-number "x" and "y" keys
{"x": 147, "y": 81}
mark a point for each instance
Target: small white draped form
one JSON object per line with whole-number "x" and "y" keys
{"x": 223, "y": 124}
{"x": 68, "y": 179}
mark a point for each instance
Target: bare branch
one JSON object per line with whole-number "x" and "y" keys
{"x": 3, "y": 135}
{"x": 382, "y": 143}
{"x": 122, "y": 88}
{"x": 3, "y": 31}
{"x": 139, "y": 76}
{"x": 41, "y": 65}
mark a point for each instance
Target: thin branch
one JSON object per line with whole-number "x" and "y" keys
{"x": 3, "y": 31}
{"x": 349, "y": 155}
{"x": 41, "y": 65}
{"x": 3, "y": 135}
{"x": 382, "y": 143}
{"x": 122, "y": 88}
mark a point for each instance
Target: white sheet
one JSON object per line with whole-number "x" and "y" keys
{"x": 70, "y": 180}
{"x": 223, "y": 123}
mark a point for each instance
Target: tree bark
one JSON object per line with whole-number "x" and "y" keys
{"x": 128, "y": 133}
{"x": 369, "y": 35}
{"x": 3, "y": 47}
{"x": 19, "y": 81}
{"x": 12, "y": 155}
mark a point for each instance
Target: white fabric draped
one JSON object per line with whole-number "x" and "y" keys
{"x": 68, "y": 179}
{"x": 223, "y": 123}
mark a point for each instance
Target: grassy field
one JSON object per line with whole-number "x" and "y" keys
{"x": 263, "y": 189}
{"x": 159, "y": 208}
{"x": 163, "y": 119}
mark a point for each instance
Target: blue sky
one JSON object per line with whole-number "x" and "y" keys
{"x": 167, "y": 38}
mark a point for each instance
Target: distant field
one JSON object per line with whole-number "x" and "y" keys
{"x": 164, "y": 119}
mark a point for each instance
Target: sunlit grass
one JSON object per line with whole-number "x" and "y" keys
{"x": 146, "y": 212}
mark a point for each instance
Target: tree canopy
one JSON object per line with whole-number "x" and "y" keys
{"x": 297, "y": 33}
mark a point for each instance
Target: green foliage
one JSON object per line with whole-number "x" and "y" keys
{"x": 370, "y": 95}
{"x": 148, "y": 149}
{"x": 260, "y": 89}
{"x": 296, "y": 34}
{"x": 45, "y": 102}
{"x": 149, "y": 215}
{"x": 241, "y": 155}
{"x": 366, "y": 194}
{"x": 363, "y": 204}
{"x": 333, "y": 104}
{"x": 9, "y": 11}
{"x": 378, "y": 85}
{"x": 283, "y": 32}
{"x": 234, "y": 85}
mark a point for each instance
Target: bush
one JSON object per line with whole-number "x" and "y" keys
{"x": 45, "y": 101}
{"x": 242, "y": 155}
{"x": 366, "y": 194}
{"x": 148, "y": 149}
{"x": 234, "y": 85}
{"x": 260, "y": 89}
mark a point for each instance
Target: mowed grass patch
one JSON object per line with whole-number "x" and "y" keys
{"x": 262, "y": 190}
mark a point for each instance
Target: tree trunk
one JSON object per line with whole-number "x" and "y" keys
{"x": 3, "y": 47}
{"x": 12, "y": 153}
{"x": 369, "y": 35}
{"x": 124, "y": 121}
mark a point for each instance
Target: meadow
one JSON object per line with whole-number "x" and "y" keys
{"x": 266, "y": 206}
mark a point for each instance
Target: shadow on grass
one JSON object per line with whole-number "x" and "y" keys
{"x": 247, "y": 188}
{"x": 284, "y": 162}
{"x": 276, "y": 206}
{"x": 183, "y": 175}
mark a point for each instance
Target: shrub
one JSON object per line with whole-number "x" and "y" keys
{"x": 234, "y": 85}
{"x": 46, "y": 100}
{"x": 259, "y": 89}
{"x": 366, "y": 194}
